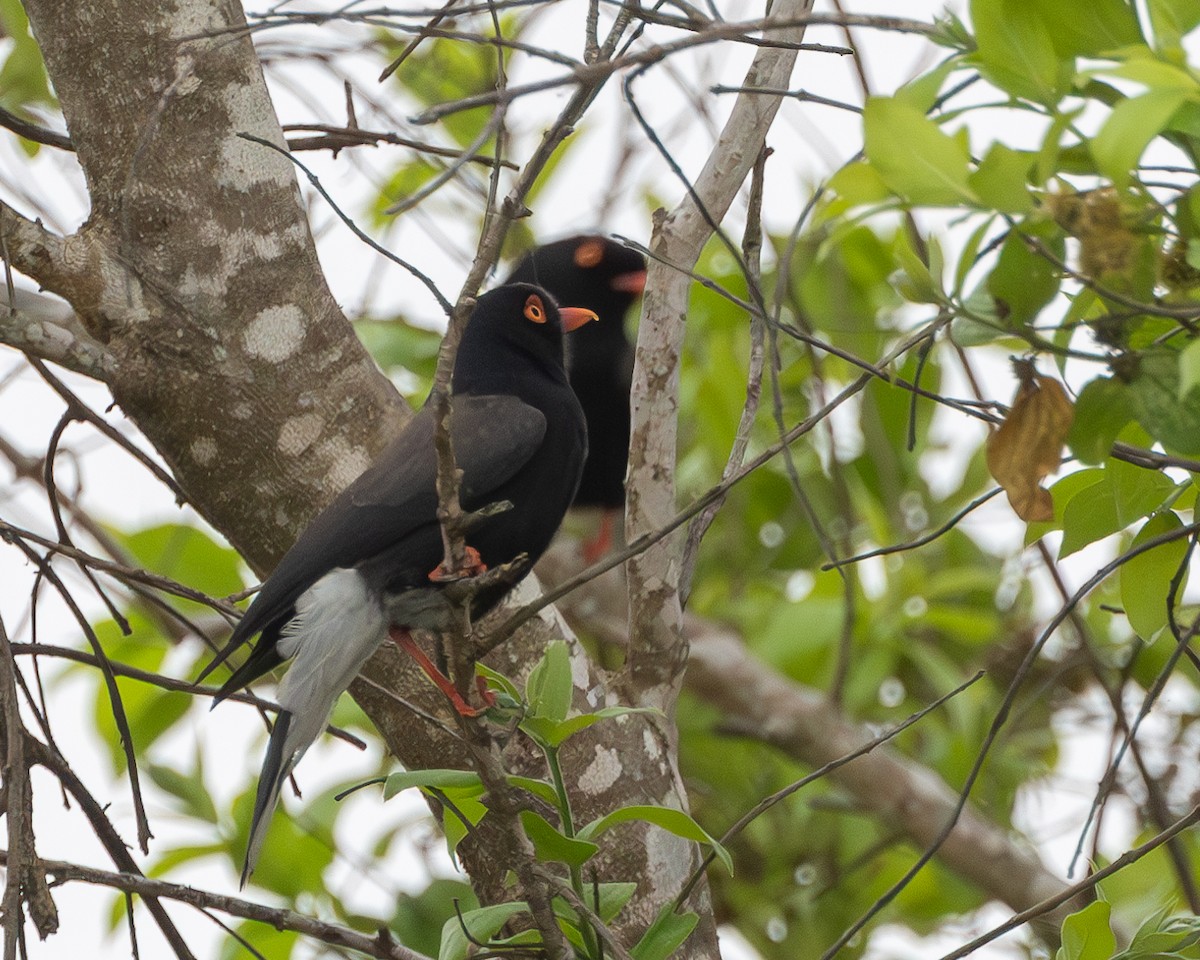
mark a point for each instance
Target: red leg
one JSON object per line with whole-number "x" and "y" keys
{"x": 403, "y": 639}
{"x": 602, "y": 542}
{"x": 473, "y": 566}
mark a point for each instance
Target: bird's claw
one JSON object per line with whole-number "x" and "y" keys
{"x": 472, "y": 566}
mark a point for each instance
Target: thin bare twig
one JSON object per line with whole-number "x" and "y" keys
{"x": 752, "y": 256}
{"x": 381, "y": 946}
{"x": 26, "y": 883}
{"x": 102, "y": 827}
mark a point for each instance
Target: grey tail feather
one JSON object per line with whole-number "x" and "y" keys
{"x": 270, "y": 782}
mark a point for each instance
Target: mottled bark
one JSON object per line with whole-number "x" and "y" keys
{"x": 196, "y": 270}
{"x": 657, "y": 650}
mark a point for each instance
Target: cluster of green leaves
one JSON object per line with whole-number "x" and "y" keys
{"x": 1088, "y": 935}
{"x": 1070, "y": 251}
{"x": 1075, "y": 251}
{"x": 931, "y": 617}
{"x": 544, "y": 714}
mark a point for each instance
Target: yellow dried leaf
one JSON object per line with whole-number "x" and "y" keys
{"x": 1108, "y": 233}
{"x": 1028, "y": 444}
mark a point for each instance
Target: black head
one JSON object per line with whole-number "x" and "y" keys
{"x": 588, "y": 270}
{"x": 515, "y": 333}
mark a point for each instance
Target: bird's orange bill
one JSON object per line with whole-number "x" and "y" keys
{"x": 575, "y": 317}
{"x": 632, "y": 282}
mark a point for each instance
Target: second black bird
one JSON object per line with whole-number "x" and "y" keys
{"x": 605, "y": 277}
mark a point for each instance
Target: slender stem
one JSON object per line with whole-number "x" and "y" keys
{"x": 568, "y": 828}
{"x": 560, "y": 789}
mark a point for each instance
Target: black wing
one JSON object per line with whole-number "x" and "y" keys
{"x": 493, "y": 437}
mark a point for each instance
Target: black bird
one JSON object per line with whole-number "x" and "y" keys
{"x": 603, "y": 276}
{"x": 366, "y": 566}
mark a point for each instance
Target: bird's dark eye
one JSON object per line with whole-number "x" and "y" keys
{"x": 534, "y": 310}
{"x": 589, "y": 253}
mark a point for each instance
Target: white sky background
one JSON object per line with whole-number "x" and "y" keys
{"x": 810, "y": 141}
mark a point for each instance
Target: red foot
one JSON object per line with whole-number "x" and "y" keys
{"x": 403, "y": 639}
{"x": 472, "y": 566}
{"x": 602, "y": 542}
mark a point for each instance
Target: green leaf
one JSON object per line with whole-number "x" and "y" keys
{"x": 189, "y": 790}
{"x": 177, "y": 856}
{"x": 396, "y": 343}
{"x": 1130, "y": 127}
{"x": 915, "y": 158}
{"x": 498, "y": 680}
{"x": 1062, "y": 493}
{"x": 1124, "y": 495}
{"x": 294, "y": 857}
{"x": 1189, "y": 368}
{"x": 268, "y": 942}
{"x": 551, "y": 846}
{"x": 556, "y": 734}
{"x": 1152, "y": 72}
{"x": 1086, "y": 935}
{"x": 918, "y": 283}
{"x": 1023, "y": 281}
{"x": 1001, "y": 180}
{"x": 418, "y": 918}
{"x": 856, "y": 184}
{"x": 1146, "y": 579}
{"x": 979, "y": 322}
{"x": 1102, "y": 410}
{"x": 23, "y": 78}
{"x": 465, "y": 808}
{"x": 1107, "y": 26}
{"x": 1160, "y": 937}
{"x": 549, "y": 687}
{"x": 1172, "y": 20}
{"x": 671, "y": 820}
{"x": 464, "y": 780}
{"x": 187, "y": 554}
{"x": 482, "y": 924}
{"x": 1171, "y": 418}
{"x": 665, "y": 935}
{"x": 970, "y": 251}
{"x": 613, "y": 896}
{"x": 1016, "y": 51}
{"x": 539, "y": 788}
{"x": 150, "y": 711}
{"x": 921, "y": 92}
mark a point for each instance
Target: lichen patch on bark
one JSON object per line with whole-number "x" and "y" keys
{"x": 204, "y": 451}
{"x": 275, "y": 333}
{"x": 245, "y": 164}
{"x": 604, "y": 770}
{"x": 298, "y": 434}
{"x": 346, "y": 462}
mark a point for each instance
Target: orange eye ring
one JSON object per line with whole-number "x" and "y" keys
{"x": 534, "y": 310}
{"x": 589, "y": 253}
